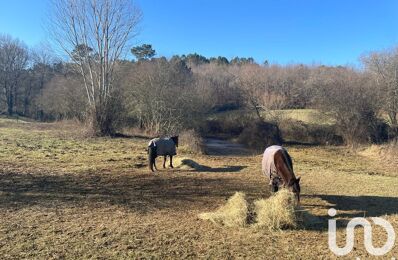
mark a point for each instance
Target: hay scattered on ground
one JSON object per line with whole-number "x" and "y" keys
{"x": 276, "y": 212}
{"x": 188, "y": 164}
{"x": 232, "y": 214}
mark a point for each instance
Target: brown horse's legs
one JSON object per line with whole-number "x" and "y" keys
{"x": 171, "y": 161}
{"x": 164, "y": 161}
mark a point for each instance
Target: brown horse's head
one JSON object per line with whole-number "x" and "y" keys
{"x": 294, "y": 186}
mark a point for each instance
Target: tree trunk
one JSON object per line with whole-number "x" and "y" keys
{"x": 10, "y": 104}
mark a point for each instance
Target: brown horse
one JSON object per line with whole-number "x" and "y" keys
{"x": 277, "y": 165}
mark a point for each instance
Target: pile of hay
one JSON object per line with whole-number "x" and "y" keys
{"x": 187, "y": 164}
{"x": 276, "y": 212}
{"x": 232, "y": 214}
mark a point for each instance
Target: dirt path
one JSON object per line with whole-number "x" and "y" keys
{"x": 221, "y": 147}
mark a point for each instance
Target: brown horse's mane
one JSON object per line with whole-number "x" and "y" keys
{"x": 284, "y": 166}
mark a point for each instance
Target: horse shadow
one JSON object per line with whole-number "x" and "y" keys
{"x": 349, "y": 207}
{"x": 224, "y": 169}
{"x": 137, "y": 192}
{"x": 207, "y": 169}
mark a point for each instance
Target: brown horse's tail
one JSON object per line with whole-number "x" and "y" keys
{"x": 151, "y": 155}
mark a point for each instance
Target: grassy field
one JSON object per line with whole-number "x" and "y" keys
{"x": 63, "y": 196}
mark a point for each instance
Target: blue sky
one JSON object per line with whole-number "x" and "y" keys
{"x": 331, "y": 32}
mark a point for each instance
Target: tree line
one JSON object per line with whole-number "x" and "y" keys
{"x": 164, "y": 95}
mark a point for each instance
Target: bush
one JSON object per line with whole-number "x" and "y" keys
{"x": 258, "y": 135}
{"x": 221, "y": 127}
{"x": 380, "y": 132}
{"x": 300, "y": 132}
{"x": 191, "y": 142}
{"x": 349, "y": 97}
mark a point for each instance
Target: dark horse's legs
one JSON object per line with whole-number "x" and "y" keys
{"x": 164, "y": 161}
{"x": 154, "y": 164}
{"x": 152, "y": 157}
{"x": 171, "y": 161}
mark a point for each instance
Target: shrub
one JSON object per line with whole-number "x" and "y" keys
{"x": 191, "y": 142}
{"x": 258, "y": 135}
{"x": 221, "y": 127}
{"x": 300, "y": 132}
{"x": 227, "y": 125}
{"x": 380, "y": 132}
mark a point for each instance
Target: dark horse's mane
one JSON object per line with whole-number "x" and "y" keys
{"x": 175, "y": 139}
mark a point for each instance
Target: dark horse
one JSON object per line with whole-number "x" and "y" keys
{"x": 162, "y": 147}
{"x": 277, "y": 165}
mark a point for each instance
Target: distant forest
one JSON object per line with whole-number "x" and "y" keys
{"x": 165, "y": 95}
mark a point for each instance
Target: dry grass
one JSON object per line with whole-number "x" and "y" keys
{"x": 191, "y": 142}
{"x": 67, "y": 197}
{"x": 386, "y": 154}
{"x": 309, "y": 116}
{"x": 277, "y": 212}
{"x": 232, "y": 214}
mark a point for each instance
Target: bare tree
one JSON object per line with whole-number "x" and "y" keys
{"x": 384, "y": 65}
{"x": 252, "y": 81}
{"x": 62, "y": 98}
{"x": 94, "y": 34}
{"x": 13, "y": 60}
{"x": 217, "y": 86}
{"x": 37, "y": 75}
{"x": 161, "y": 95}
{"x": 347, "y": 95}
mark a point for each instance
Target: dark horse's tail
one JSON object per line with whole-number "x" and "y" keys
{"x": 151, "y": 155}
